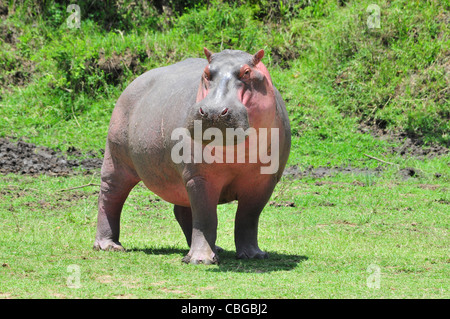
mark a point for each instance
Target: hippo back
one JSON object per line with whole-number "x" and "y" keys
{"x": 158, "y": 86}
{"x": 144, "y": 102}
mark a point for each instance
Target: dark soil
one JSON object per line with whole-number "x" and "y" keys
{"x": 410, "y": 146}
{"x": 115, "y": 65}
{"x": 323, "y": 171}
{"x": 26, "y": 158}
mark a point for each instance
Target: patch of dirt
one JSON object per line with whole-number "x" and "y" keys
{"x": 442, "y": 201}
{"x": 16, "y": 70}
{"x": 282, "y": 204}
{"x": 408, "y": 172}
{"x": 26, "y": 158}
{"x": 116, "y": 64}
{"x": 323, "y": 171}
{"x": 19, "y": 73}
{"x": 8, "y": 33}
{"x": 344, "y": 222}
{"x": 410, "y": 145}
{"x": 429, "y": 186}
{"x": 282, "y": 56}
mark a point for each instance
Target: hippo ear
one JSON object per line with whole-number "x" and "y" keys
{"x": 257, "y": 57}
{"x": 208, "y": 54}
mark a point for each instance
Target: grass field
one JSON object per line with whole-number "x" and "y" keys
{"x": 373, "y": 231}
{"x": 325, "y": 246}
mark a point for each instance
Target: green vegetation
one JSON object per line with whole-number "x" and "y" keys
{"x": 320, "y": 248}
{"x": 350, "y": 91}
{"x": 322, "y": 55}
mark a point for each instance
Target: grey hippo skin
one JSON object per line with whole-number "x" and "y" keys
{"x": 230, "y": 89}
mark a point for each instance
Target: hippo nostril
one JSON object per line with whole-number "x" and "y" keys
{"x": 224, "y": 112}
{"x": 202, "y": 113}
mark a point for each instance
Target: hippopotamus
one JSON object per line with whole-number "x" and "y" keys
{"x": 152, "y": 135}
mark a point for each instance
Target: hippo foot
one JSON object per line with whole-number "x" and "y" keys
{"x": 198, "y": 258}
{"x": 252, "y": 253}
{"x": 108, "y": 245}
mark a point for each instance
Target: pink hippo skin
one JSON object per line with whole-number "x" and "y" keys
{"x": 230, "y": 89}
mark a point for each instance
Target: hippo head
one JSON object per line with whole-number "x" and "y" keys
{"x": 235, "y": 92}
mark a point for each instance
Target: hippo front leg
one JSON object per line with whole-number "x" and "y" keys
{"x": 203, "y": 199}
{"x": 183, "y": 216}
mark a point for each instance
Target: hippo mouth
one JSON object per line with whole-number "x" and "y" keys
{"x": 218, "y": 125}
{"x": 224, "y": 132}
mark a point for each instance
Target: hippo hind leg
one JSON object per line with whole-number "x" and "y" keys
{"x": 117, "y": 181}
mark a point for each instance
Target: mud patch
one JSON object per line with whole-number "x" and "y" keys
{"x": 16, "y": 70}
{"x": 408, "y": 172}
{"x": 282, "y": 56}
{"x": 323, "y": 171}
{"x": 26, "y": 158}
{"x": 115, "y": 65}
{"x": 410, "y": 146}
{"x": 282, "y": 204}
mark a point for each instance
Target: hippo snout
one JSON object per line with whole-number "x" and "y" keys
{"x": 220, "y": 115}
{"x": 217, "y": 119}
{"x": 214, "y": 114}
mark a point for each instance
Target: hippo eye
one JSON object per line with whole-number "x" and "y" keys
{"x": 207, "y": 74}
{"x": 245, "y": 74}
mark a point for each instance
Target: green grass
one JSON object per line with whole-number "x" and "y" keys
{"x": 321, "y": 248}
{"x": 328, "y": 65}
{"x": 334, "y": 74}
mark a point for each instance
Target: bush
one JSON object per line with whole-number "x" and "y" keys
{"x": 322, "y": 53}
{"x": 222, "y": 26}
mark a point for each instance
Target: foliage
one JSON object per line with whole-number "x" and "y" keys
{"x": 58, "y": 86}
{"x": 394, "y": 77}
